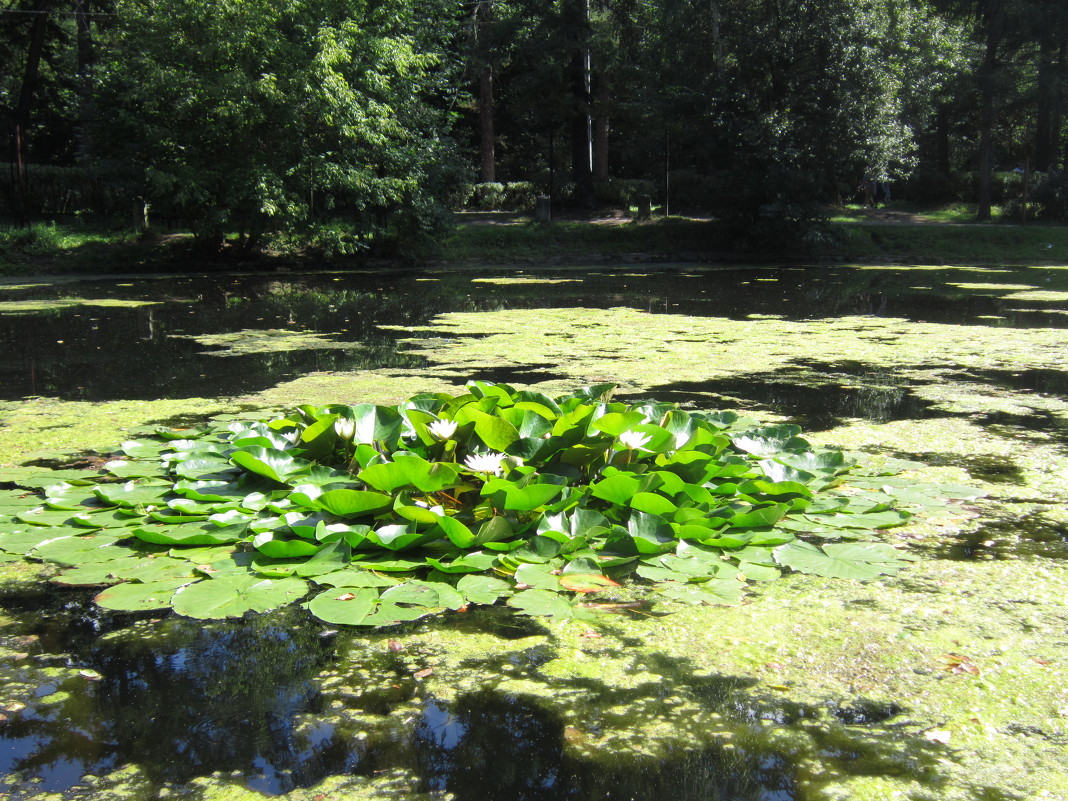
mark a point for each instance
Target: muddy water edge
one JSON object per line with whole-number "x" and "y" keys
{"x": 945, "y": 682}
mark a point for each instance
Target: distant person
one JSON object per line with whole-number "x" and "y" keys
{"x": 882, "y": 189}
{"x": 867, "y": 186}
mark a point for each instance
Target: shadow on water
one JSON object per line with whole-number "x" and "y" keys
{"x": 1046, "y": 382}
{"x": 817, "y": 404}
{"x": 180, "y": 698}
{"x": 1028, "y": 535}
{"x": 1038, "y": 425}
{"x": 275, "y": 702}
{"x": 521, "y": 751}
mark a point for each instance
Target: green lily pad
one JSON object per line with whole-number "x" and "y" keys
{"x": 344, "y": 606}
{"x": 233, "y": 596}
{"x": 138, "y": 597}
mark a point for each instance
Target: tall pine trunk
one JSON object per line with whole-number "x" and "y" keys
{"x": 575, "y": 17}
{"x": 487, "y": 137}
{"x": 601, "y": 130}
{"x": 1045, "y": 137}
{"x": 987, "y": 112}
{"x": 21, "y": 117}
{"x": 488, "y": 166}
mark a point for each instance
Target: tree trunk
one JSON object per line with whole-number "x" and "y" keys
{"x": 942, "y": 140}
{"x": 487, "y": 139}
{"x": 601, "y": 129}
{"x": 987, "y": 113}
{"x": 21, "y": 117}
{"x": 1045, "y": 140}
{"x": 488, "y": 168}
{"x": 717, "y": 40}
{"x": 576, "y": 19}
{"x": 85, "y": 79}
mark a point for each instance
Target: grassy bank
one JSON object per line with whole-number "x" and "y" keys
{"x": 510, "y": 239}
{"x": 679, "y": 238}
{"x": 529, "y": 241}
{"x": 46, "y": 248}
{"x": 922, "y": 243}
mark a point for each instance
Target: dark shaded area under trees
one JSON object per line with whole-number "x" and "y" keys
{"x": 355, "y": 125}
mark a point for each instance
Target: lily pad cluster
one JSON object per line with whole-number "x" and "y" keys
{"x": 372, "y": 515}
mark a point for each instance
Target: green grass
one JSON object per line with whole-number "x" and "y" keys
{"x": 547, "y": 241}
{"x": 950, "y": 213}
{"x": 44, "y": 246}
{"x": 53, "y": 249}
{"x": 940, "y": 244}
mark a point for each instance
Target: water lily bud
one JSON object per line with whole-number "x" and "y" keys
{"x": 512, "y": 462}
{"x": 345, "y": 428}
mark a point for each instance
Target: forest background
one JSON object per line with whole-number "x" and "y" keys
{"x": 356, "y": 125}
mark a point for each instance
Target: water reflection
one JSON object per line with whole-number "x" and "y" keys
{"x": 85, "y": 347}
{"x": 511, "y": 745}
{"x": 245, "y": 699}
{"x": 181, "y": 699}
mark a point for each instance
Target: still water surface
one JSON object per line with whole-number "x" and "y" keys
{"x": 183, "y": 699}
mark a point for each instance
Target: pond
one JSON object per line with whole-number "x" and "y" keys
{"x": 964, "y": 369}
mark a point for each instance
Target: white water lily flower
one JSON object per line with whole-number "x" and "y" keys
{"x": 634, "y": 440}
{"x": 345, "y": 427}
{"x": 442, "y": 429}
{"x": 484, "y": 462}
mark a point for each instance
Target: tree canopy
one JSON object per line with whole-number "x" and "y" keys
{"x": 251, "y": 118}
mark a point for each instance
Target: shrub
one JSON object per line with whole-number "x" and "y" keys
{"x": 519, "y": 196}
{"x": 486, "y": 197}
{"x": 623, "y": 192}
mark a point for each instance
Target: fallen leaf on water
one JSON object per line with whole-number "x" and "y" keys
{"x": 591, "y": 635}
{"x": 573, "y": 734}
{"x": 586, "y": 582}
{"x": 1042, "y": 662}
{"x": 938, "y": 736}
{"x": 958, "y": 663}
{"x": 774, "y": 666}
{"x": 613, "y": 607}
{"x": 422, "y": 674}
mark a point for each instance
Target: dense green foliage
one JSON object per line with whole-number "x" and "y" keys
{"x": 342, "y": 122}
{"x": 393, "y": 513}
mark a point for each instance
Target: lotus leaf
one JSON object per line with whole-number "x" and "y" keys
{"x": 271, "y": 463}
